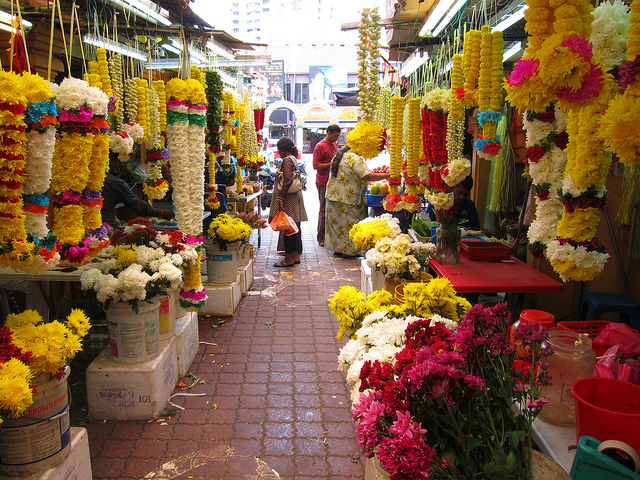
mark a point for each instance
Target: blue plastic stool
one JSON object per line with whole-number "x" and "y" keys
{"x": 594, "y": 304}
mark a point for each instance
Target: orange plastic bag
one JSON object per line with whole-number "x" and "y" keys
{"x": 282, "y": 222}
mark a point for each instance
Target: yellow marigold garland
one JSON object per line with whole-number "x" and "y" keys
{"x": 392, "y": 201}
{"x": 103, "y": 71}
{"x": 471, "y": 66}
{"x": 13, "y": 150}
{"x": 142, "y": 117}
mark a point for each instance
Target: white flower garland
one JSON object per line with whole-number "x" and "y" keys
{"x": 547, "y": 170}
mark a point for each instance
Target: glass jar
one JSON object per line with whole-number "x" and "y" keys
{"x": 573, "y": 359}
{"x": 448, "y": 244}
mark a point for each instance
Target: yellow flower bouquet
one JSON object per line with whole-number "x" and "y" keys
{"x": 225, "y": 230}
{"x": 50, "y": 345}
{"x": 366, "y": 233}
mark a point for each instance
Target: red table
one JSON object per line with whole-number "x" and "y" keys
{"x": 510, "y": 276}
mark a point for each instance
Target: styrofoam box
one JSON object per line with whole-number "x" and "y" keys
{"x": 187, "y": 341}
{"x": 116, "y": 391}
{"x": 223, "y": 299}
{"x": 243, "y": 281}
{"x": 246, "y": 277}
{"x": 77, "y": 465}
{"x": 366, "y": 285}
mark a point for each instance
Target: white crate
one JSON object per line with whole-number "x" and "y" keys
{"x": 246, "y": 277}
{"x": 77, "y": 465}
{"x": 116, "y": 391}
{"x": 223, "y": 299}
{"x": 187, "y": 341}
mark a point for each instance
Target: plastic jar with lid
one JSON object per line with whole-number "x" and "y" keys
{"x": 546, "y": 319}
{"x": 573, "y": 358}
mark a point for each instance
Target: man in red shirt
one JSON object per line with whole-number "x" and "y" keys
{"x": 322, "y": 155}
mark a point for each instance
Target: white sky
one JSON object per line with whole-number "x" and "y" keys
{"x": 349, "y": 11}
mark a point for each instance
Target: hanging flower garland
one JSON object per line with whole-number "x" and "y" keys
{"x": 490, "y": 93}
{"x": 546, "y": 160}
{"x": 368, "y": 60}
{"x": 259, "y": 108}
{"x": 576, "y": 253}
{"x": 186, "y": 141}
{"x": 70, "y": 167}
{"x": 411, "y": 199}
{"x": 154, "y": 187}
{"x": 214, "y": 131}
{"x": 393, "y": 202}
{"x": 458, "y": 167}
{"x": 563, "y": 67}
{"x": 131, "y": 100}
{"x": 41, "y": 119}
{"x": 99, "y": 163}
{"x": 471, "y": 66}
{"x": 623, "y": 114}
{"x": 142, "y": 117}
{"x": 14, "y": 246}
{"x": 103, "y": 71}
{"x": 115, "y": 68}
{"x": 383, "y": 110}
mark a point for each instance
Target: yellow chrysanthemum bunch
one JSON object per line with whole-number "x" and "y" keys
{"x": 125, "y": 255}
{"x": 52, "y": 344}
{"x": 366, "y": 139}
{"x": 224, "y": 230}
{"x": 436, "y": 297}
{"x": 15, "y": 387}
{"x": 365, "y": 235}
{"x": 351, "y": 306}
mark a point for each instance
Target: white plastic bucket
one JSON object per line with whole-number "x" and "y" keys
{"x": 134, "y": 337}
{"x": 41, "y": 438}
{"x": 222, "y": 265}
{"x": 167, "y": 315}
{"x": 244, "y": 255}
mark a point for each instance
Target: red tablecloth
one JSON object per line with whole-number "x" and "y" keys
{"x": 487, "y": 277}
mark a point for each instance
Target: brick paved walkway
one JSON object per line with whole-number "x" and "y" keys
{"x": 274, "y": 405}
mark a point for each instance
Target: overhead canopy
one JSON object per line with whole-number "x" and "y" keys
{"x": 346, "y": 97}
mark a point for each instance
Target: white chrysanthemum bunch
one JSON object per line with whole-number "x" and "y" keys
{"x": 609, "y": 32}
{"x": 379, "y": 338}
{"x": 438, "y": 100}
{"x": 400, "y": 257}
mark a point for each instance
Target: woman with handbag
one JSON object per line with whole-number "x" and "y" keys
{"x": 287, "y": 196}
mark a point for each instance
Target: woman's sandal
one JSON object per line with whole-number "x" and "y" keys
{"x": 282, "y": 264}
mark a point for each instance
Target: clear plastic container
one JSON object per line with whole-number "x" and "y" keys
{"x": 573, "y": 359}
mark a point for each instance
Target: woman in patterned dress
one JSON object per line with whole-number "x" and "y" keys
{"x": 346, "y": 200}
{"x": 291, "y": 203}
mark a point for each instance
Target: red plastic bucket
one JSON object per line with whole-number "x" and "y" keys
{"x": 607, "y": 409}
